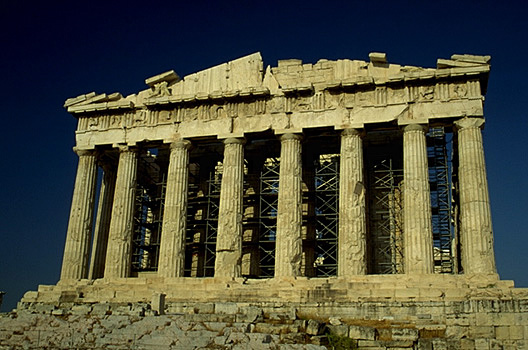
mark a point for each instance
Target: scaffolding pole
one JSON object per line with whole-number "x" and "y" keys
{"x": 442, "y": 213}
{"x": 326, "y": 214}
{"x": 386, "y": 218}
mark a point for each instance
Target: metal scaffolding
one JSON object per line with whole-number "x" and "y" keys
{"x": 148, "y": 214}
{"x": 202, "y": 220}
{"x": 442, "y": 213}
{"x": 326, "y": 214}
{"x": 386, "y": 225}
{"x": 269, "y": 190}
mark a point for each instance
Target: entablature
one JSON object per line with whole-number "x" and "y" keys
{"x": 238, "y": 97}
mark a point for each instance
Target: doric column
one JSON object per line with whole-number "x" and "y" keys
{"x": 417, "y": 230}
{"x": 102, "y": 223}
{"x": 172, "y": 249}
{"x": 78, "y": 236}
{"x": 229, "y": 237}
{"x": 352, "y": 251}
{"x": 476, "y": 232}
{"x": 119, "y": 251}
{"x": 288, "y": 250}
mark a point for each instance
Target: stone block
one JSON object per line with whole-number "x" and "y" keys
{"x": 42, "y": 308}
{"x": 502, "y": 332}
{"x": 457, "y": 332}
{"x": 314, "y": 327}
{"x": 59, "y": 312}
{"x": 269, "y": 328}
{"x": 158, "y": 303}
{"x": 440, "y": 344}
{"x": 516, "y": 332}
{"x": 369, "y": 344}
{"x": 384, "y": 333}
{"x": 482, "y": 344}
{"x": 504, "y": 319}
{"x": 467, "y": 344}
{"x": 81, "y": 309}
{"x": 334, "y": 321}
{"x": 292, "y": 338}
{"x": 341, "y": 330}
{"x": 204, "y": 308}
{"x": 361, "y": 332}
{"x": 138, "y": 310}
{"x": 226, "y": 308}
{"x": 250, "y": 314}
{"x": 487, "y": 332}
{"x": 407, "y": 293}
{"x": 432, "y": 331}
{"x": 404, "y": 334}
{"x": 317, "y": 340}
{"x": 457, "y": 320}
{"x": 496, "y": 344}
{"x": 100, "y": 309}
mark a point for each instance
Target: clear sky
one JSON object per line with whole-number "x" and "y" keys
{"x": 54, "y": 50}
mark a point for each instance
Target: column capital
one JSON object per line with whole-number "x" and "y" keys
{"x": 468, "y": 122}
{"x": 181, "y": 144}
{"x": 234, "y": 140}
{"x": 353, "y": 132}
{"x": 291, "y": 136}
{"x": 84, "y": 152}
{"x": 415, "y": 127}
{"x": 125, "y": 148}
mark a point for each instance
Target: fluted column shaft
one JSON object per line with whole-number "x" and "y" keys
{"x": 229, "y": 237}
{"x": 417, "y": 225}
{"x": 119, "y": 251}
{"x": 102, "y": 224}
{"x": 352, "y": 247}
{"x": 78, "y": 236}
{"x": 288, "y": 250}
{"x": 476, "y": 233}
{"x": 172, "y": 248}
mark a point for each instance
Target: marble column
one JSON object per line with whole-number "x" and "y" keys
{"x": 102, "y": 223}
{"x": 288, "y": 250}
{"x": 119, "y": 251}
{"x": 229, "y": 237}
{"x": 417, "y": 224}
{"x": 352, "y": 247}
{"x": 172, "y": 248}
{"x": 78, "y": 236}
{"x": 476, "y": 234}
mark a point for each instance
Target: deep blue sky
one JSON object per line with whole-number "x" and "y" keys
{"x": 51, "y": 51}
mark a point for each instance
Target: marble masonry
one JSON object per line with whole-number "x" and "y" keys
{"x": 351, "y": 192}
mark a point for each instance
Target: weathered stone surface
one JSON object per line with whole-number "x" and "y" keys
{"x": 288, "y": 250}
{"x": 476, "y": 230}
{"x": 229, "y": 239}
{"x": 360, "y": 332}
{"x": 236, "y": 101}
{"x": 172, "y": 248}
{"x": 226, "y": 308}
{"x": 404, "y": 334}
{"x": 314, "y": 327}
{"x": 76, "y": 250}
{"x": 102, "y": 223}
{"x": 121, "y": 225}
{"x": 352, "y": 223}
{"x": 418, "y": 235}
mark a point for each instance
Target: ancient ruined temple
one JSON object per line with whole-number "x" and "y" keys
{"x": 342, "y": 189}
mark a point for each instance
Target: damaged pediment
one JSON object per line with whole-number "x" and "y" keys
{"x": 245, "y": 77}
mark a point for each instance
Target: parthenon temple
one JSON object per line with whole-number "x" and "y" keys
{"x": 334, "y": 169}
{"x": 277, "y": 201}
